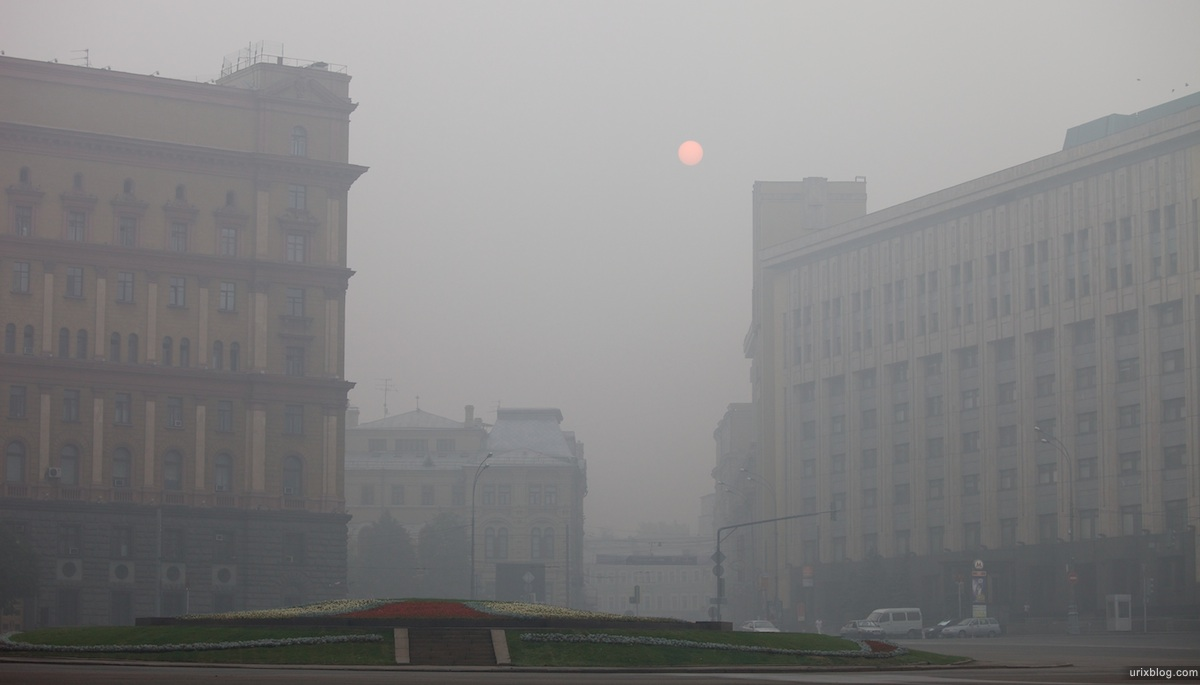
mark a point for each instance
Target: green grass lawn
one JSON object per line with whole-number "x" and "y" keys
{"x": 591, "y": 654}
{"x": 522, "y": 653}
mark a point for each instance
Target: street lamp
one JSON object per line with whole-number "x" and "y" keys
{"x": 478, "y": 470}
{"x": 750, "y": 476}
{"x": 1072, "y": 610}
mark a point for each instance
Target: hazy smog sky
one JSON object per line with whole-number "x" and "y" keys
{"x": 526, "y": 235}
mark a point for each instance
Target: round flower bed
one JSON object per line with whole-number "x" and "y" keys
{"x": 426, "y": 609}
{"x": 7, "y": 643}
{"x": 866, "y": 648}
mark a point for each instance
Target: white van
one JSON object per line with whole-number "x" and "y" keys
{"x": 903, "y": 622}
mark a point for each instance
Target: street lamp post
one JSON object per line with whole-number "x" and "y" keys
{"x": 1072, "y": 609}
{"x": 478, "y": 470}
{"x": 774, "y": 530}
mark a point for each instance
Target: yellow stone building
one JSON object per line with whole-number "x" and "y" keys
{"x": 173, "y": 265}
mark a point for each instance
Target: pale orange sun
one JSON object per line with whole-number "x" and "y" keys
{"x": 690, "y": 153}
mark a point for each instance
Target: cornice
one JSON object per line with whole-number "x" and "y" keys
{"x": 137, "y": 152}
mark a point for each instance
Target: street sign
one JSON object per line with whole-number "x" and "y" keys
{"x": 1072, "y": 576}
{"x": 718, "y": 557}
{"x": 718, "y": 570}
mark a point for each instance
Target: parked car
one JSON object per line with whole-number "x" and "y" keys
{"x": 857, "y": 630}
{"x": 759, "y": 626}
{"x": 973, "y": 627}
{"x": 936, "y": 629}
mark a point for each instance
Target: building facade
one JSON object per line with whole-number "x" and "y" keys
{"x": 173, "y": 257}
{"x": 650, "y": 576}
{"x": 520, "y": 483}
{"x": 995, "y": 381}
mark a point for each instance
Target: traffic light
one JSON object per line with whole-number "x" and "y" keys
{"x": 1149, "y": 587}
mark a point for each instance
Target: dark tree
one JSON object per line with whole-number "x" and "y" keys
{"x": 444, "y": 547}
{"x": 18, "y": 568}
{"x": 384, "y": 563}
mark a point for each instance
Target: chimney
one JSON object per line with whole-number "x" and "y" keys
{"x": 352, "y": 417}
{"x": 470, "y": 416}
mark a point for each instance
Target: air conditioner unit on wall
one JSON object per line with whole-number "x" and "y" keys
{"x": 69, "y": 569}
{"x": 289, "y": 491}
{"x": 120, "y": 482}
{"x": 120, "y": 572}
{"x": 173, "y": 575}
{"x": 54, "y": 472}
{"x": 177, "y": 423}
{"x": 224, "y": 575}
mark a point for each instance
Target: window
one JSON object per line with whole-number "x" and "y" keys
{"x": 223, "y": 473}
{"x": 297, "y": 247}
{"x": 81, "y": 344}
{"x": 227, "y": 300}
{"x": 808, "y": 430}
{"x": 1008, "y": 532}
{"x": 1008, "y": 479}
{"x": 1129, "y": 463}
{"x": 23, "y": 220}
{"x": 899, "y": 372}
{"x": 397, "y": 498}
{"x": 132, "y": 349}
{"x": 1047, "y": 528}
{"x": 168, "y": 347}
{"x": 125, "y": 286}
{"x": 27, "y": 340}
{"x": 1085, "y": 423}
{"x": 127, "y": 231}
{"x": 70, "y": 405}
{"x": 64, "y": 343}
{"x": 224, "y": 416}
{"x": 173, "y": 471}
{"x": 1047, "y": 474}
{"x": 866, "y": 379}
{"x": 870, "y": 457}
{"x": 178, "y": 240}
{"x": 1128, "y": 369}
{"x": 837, "y": 424}
{"x": 293, "y": 477}
{"x": 806, "y": 392}
{"x": 74, "y": 281}
{"x": 21, "y": 276}
{"x": 1006, "y": 350}
{"x": 122, "y": 409}
{"x": 970, "y": 441}
{"x": 971, "y": 535}
{"x": 868, "y": 418}
{"x": 1006, "y": 393}
{"x": 294, "y": 301}
{"x": 297, "y": 197}
{"x": 1176, "y": 514}
{"x": 933, "y": 365}
{"x": 504, "y": 495}
{"x": 76, "y": 225}
{"x": 900, "y": 412}
{"x": 970, "y": 484}
{"x": 14, "y": 462}
{"x": 1131, "y": 519}
{"x": 177, "y": 293}
{"x": 900, "y": 453}
{"x": 1126, "y": 323}
{"x": 174, "y": 412}
{"x": 968, "y": 358}
{"x": 550, "y": 493}
{"x": 933, "y": 405}
{"x": 1172, "y": 361}
{"x": 1129, "y": 415}
{"x": 808, "y": 468}
{"x": 294, "y": 361}
{"x": 837, "y": 463}
{"x": 1044, "y": 385}
{"x": 1006, "y": 436}
{"x": 1043, "y": 341}
{"x": 299, "y": 142}
{"x": 936, "y": 488}
{"x": 1089, "y": 520}
{"x": 1085, "y": 378}
{"x": 1087, "y": 468}
{"x": 227, "y": 240}
{"x": 1170, "y": 313}
{"x": 970, "y": 399}
{"x": 1173, "y": 456}
{"x": 1172, "y": 409}
{"x": 935, "y": 448}
{"x": 293, "y": 419}
{"x": 235, "y": 355}
{"x": 10, "y": 338}
{"x": 185, "y": 353}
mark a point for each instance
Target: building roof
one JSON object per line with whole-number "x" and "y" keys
{"x": 529, "y": 430}
{"x": 413, "y": 419}
{"x": 1115, "y": 123}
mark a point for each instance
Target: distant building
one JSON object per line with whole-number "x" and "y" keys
{"x": 1003, "y": 371}
{"x": 650, "y": 576}
{"x": 527, "y": 501}
{"x": 173, "y": 260}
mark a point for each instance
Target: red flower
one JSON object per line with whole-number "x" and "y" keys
{"x": 415, "y": 608}
{"x": 877, "y": 646}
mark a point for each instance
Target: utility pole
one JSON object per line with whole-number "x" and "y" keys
{"x": 385, "y": 384}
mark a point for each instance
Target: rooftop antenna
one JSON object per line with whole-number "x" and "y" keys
{"x": 86, "y": 59}
{"x": 386, "y": 386}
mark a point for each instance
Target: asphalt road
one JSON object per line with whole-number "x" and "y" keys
{"x": 1046, "y": 659}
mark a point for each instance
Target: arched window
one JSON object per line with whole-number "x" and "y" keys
{"x": 173, "y": 471}
{"x": 167, "y": 346}
{"x": 122, "y": 470}
{"x": 223, "y": 473}
{"x": 218, "y": 356}
{"x": 81, "y": 346}
{"x": 133, "y": 348}
{"x": 489, "y": 543}
{"x": 114, "y": 347}
{"x": 293, "y": 476}
{"x": 535, "y": 543}
{"x": 10, "y": 338}
{"x": 27, "y": 340}
{"x": 64, "y": 343}
{"x": 502, "y": 543}
{"x": 14, "y": 463}
{"x": 235, "y": 352}
{"x": 547, "y": 543}
{"x": 299, "y": 141}
{"x": 68, "y": 461}
{"x": 185, "y": 352}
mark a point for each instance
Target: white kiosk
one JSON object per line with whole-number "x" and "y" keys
{"x": 1118, "y": 612}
